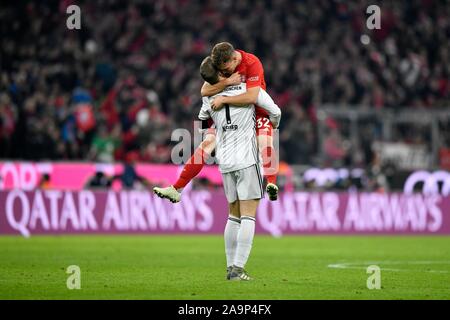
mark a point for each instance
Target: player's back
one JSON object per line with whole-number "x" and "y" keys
{"x": 252, "y": 72}
{"x": 250, "y": 68}
{"x": 235, "y": 132}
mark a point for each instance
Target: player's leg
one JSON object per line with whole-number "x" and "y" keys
{"x": 264, "y": 134}
{"x": 195, "y": 164}
{"x": 190, "y": 170}
{"x": 230, "y": 234}
{"x": 244, "y": 239}
{"x": 250, "y": 191}
{"x": 233, "y": 221}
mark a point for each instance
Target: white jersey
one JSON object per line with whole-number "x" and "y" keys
{"x": 235, "y": 128}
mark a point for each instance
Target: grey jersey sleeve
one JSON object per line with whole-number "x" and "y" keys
{"x": 266, "y": 102}
{"x": 204, "y": 113}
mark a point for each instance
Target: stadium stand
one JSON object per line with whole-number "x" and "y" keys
{"x": 116, "y": 89}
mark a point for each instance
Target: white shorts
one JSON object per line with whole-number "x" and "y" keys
{"x": 244, "y": 184}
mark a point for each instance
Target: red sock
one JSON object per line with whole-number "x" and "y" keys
{"x": 270, "y": 165}
{"x": 192, "y": 168}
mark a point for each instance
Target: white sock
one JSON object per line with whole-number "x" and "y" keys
{"x": 230, "y": 236}
{"x": 244, "y": 241}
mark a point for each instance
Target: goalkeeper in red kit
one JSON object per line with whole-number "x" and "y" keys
{"x": 238, "y": 66}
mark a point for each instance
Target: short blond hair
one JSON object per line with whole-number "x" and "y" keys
{"x": 222, "y": 53}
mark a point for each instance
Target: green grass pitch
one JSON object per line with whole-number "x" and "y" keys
{"x": 193, "y": 267}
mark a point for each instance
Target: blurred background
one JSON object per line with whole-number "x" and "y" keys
{"x": 358, "y": 112}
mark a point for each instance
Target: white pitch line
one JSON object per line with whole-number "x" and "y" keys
{"x": 364, "y": 265}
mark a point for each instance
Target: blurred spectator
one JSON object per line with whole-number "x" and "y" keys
{"x": 99, "y": 180}
{"x": 104, "y": 145}
{"x": 129, "y": 176}
{"x": 7, "y": 125}
{"x": 336, "y": 149}
{"x": 45, "y": 183}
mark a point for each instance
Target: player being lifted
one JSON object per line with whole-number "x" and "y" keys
{"x": 237, "y": 155}
{"x": 235, "y": 66}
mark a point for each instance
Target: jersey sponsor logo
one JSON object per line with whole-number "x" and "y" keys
{"x": 233, "y": 88}
{"x": 230, "y": 127}
{"x": 255, "y": 78}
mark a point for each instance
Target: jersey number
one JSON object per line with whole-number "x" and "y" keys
{"x": 263, "y": 122}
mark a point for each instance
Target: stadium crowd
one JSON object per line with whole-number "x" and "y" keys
{"x": 119, "y": 86}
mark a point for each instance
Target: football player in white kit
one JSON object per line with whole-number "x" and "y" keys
{"x": 238, "y": 158}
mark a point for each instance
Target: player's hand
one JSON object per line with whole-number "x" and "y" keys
{"x": 233, "y": 80}
{"x": 217, "y": 103}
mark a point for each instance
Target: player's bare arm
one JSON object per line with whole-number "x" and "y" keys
{"x": 245, "y": 99}
{"x": 209, "y": 90}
